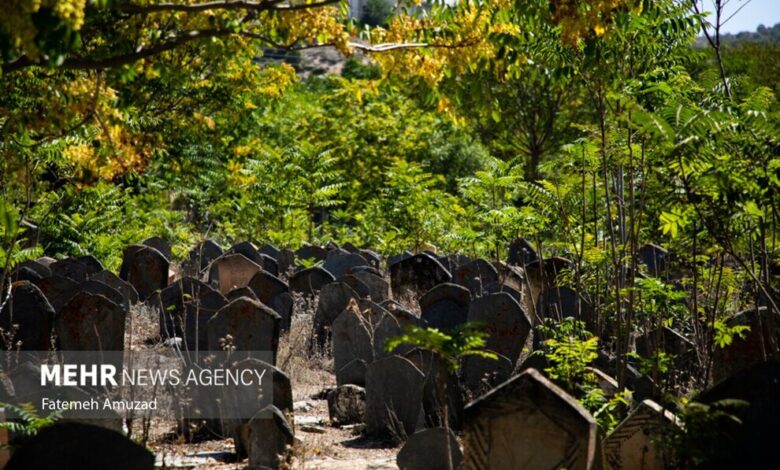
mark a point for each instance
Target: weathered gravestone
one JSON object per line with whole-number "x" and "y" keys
{"x": 441, "y": 386}
{"x": 110, "y": 279}
{"x": 637, "y": 443}
{"x": 558, "y": 302}
{"x": 543, "y": 275}
{"x": 58, "y": 290}
{"x": 347, "y": 404}
{"x": 160, "y": 245}
{"x": 411, "y": 277}
{"x": 480, "y": 374}
{"x": 334, "y": 298}
{"x": 398, "y": 258}
{"x": 284, "y": 258}
{"x": 196, "y": 317}
{"x": 30, "y": 271}
{"x": 528, "y": 423}
{"x": 73, "y": 269}
{"x": 244, "y": 325}
{"x": 357, "y": 285}
{"x": 522, "y": 253}
{"x": 27, "y": 319}
{"x": 374, "y": 259}
{"x": 274, "y": 293}
{"x": 76, "y": 446}
{"x": 339, "y": 264}
{"x": 174, "y": 303}
{"x": 394, "y": 391}
{"x": 475, "y": 275}
{"x": 446, "y": 306}
{"x": 309, "y": 281}
{"x": 378, "y": 288}
{"x": 90, "y": 323}
{"x": 267, "y": 437}
{"x": 506, "y": 322}
{"x": 750, "y": 440}
{"x": 230, "y": 271}
{"x": 239, "y": 292}
{"x": 430, "y": 449}
{"x": 762, "y": 340}
{"x": 202, "y": 255}
{"x": 98, "y": 288}
{"x": 145, "y": 268}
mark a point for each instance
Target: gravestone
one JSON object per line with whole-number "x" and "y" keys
{"x": 347, "y": 404}
{"x": 72, "y": 269}
{"x": 504, "y": 320}
{"x": 29, "y": 316}
{"x": 427, "y": 450}
{"x": 247, "y": 249}
{"x": 440, "y": 384}
{"x": 528, "y": 423}
{"x": 40, "y": 269}
{"x": 196, "y": 319}
{"x": 284, "y": 258}
{"x": 77, "y": 446}
{"x": 275, "y": 293}
{"x": 352, "y": 338}
{"x": 250, "y": 325}
{"x": 241, "y": 292}
{"x": 543, "y": 275}
{"x": 93, "y": 264}
{"x": 46, "y": 261}
{"x": 353, "y": 372}
{"x": 360, "y": 288}
{"x": 58, "y": 290}
{"x": 411, "y": 277}
{"x": 334, "y": 298}
{"x": 145, "y": 268}
{"x": 160, "y": 245}
{"x": 750, "y": 440}
{"x": 480, "y": 374}
{"x": 309, "y": 281}
{"x": 446, "y": 306}
{"x": 311, "y": 252}
{"x": 172, "y": 303}
{"x": 394, "y": 389}
{"x": 398, "y": 258}
{"x": 339, "y": 264}
{"x": 374, "y": 259}
{"x": 230, "y": 271}
{"x": 522, "y": 253}
{"x": 378, "y": 288}
{"x": 268, "y": 436}
{"x": 637, "y": 443}
{"x": 95, "y": 287}
{"x": 475, "y": 275}
{"x": 24, "y": 273}
{"x": 743, "y": 352}
{"x": 202, "y": 255}
{"x": 90, "y": 323}
{"x": 126, "y": 289}
{"x": 558, "y": 302}
{"x": 269, "y": 264}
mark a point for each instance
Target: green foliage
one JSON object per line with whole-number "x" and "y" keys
{"x": 25, "y": 419}
{"x": 355, "y": 69}
{"x": 465, "y": 340}
{"x": 376, "y": 12}
{"x": 570, "y": 349}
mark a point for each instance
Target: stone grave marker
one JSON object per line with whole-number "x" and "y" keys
{"x": 160, "y": 245}
{"x": 394, "y": 390}
{"x": 522, "y": 253}
{"x": 239, "y": 292}
{"x": 58, "y": 290}
{"x": 528, "y": 423}
{"x": 339, "y": 264}
{"x": 28, "y": 309}
{"x": 334, "y": 298}
{"x": 202, "y": 255}
{"x": 232, "y": 270}
{"x": 428, "y": 449}
{"x": 637, "y": 443}
{"x": 145, "y": 268}
{"x": 504, "y": 320}
{"x": 654, "y": 258}
{"x": 763, "y": 338}
{"x": 475, "y": 275}
{"x": 445, "y": 306}
{"x": 309, "y": 281}
{"x": 267, "y": 437}
{"x": 378, "y": 288}
{"x": 316, "y": 253}
{"x": 414, "y": 276}
{"x": 72, "y": 269}
{"x": 95, "y": 287}
{"x": 126, "y": 289}
{"x": 250, "y": 325}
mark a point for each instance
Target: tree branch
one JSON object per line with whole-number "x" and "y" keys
{"x": 220, "y": 5}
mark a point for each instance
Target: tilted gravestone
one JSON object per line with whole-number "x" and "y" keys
{"x": 58, "y": 290}
{"x": 98, "y": 288}
{"x": 394, "y": 391}
{"x": 309, "y": 281}
{"x": 274, "y": 293}
{"x": 411, "y": 277}
{"x": 267, "y": 437}
{"x": 637, "y": 443}
{"x": 762, "y": 340}
{"x": 522, "y": 253}
{"x": 27, "y": 319}
{"x": 750, "y": 440}
{"x": 72, "y": 269}
{"x": 145, "y": 268}
{"x": 428, "y": 449}
{"x": 334, "y": 298}
{"x": 353, "y": 372}
{"x": 125, "y": 288}
{"x": 230, "y": 271}
{"x": 160, "y": 245}
{"x": 71, "y": 446}
{"x": 475, "y": 275}
{"x": 528, "y": 423}
{"x": 352, "y": 338}
{"x": 378, "y": 288}
{"x": 446, "y": 306}
{"x": 339, "y": 264}
{"x": 506, "y": 322}
{"x": 246, "y": 325}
